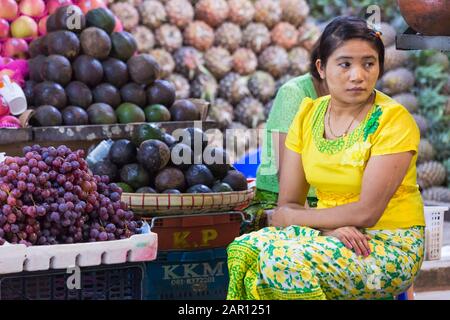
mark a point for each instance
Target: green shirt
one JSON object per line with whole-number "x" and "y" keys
{"x": 284, "y": 109}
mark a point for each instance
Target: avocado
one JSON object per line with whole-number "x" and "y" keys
{"x": 63, "y": 43}
{"x": 162, "y": 92}
{"x": 129, "y": 113}
{"x": 101, "y": 18}
{"x": 70, "y": 18}
{"x": 122, "y": 152}
{"x": 181, "y": 156}
{"x": 143, "y": 69}
{"x": 222, "y": 187}
{"x": 125, "y": 187}
{"x": 56, "y": 68}
{"x": 75, "y": 116}
{"x": 46, "y": 116}
{"x": 199, "y": 188}
{"x": 124, "y": 45}
{"x": 169, "y": 140}
{"x": 50, "y": 24}
{"x": 147, "y": 131}
{"x": 170, "y": 178}
{"x": 101, "y": 113}
{"x": 217, "y": 160}
{"x": 133, "y": 93}
{"x": 105, "y": 168}
{"x": 153, "y": 155}
{"x": 236, "y": 180}
{"x": 38, "y": 47}
{"x": 115, "y": 72}
{"x": 28, "y": 91}
{"x": 35, "y": 66}
{"x": 157, "y": 113}
{"x": 199, "y": 174}
{"x": 96, "y": 43}
{"x": 135, "y": 175}
{"x": 184, "y": 110}
{"x": 146, "y": 190}
{"x": 108, "y": 94}
{"x": 79, "y": 94}
{"x": 88, "y": 70}
{"x": 172, "y": 191}
{"x": 196, "y": 139}
{"x": 50, "y": 93}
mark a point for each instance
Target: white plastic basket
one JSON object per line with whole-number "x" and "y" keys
{"x": 434, "y": 220}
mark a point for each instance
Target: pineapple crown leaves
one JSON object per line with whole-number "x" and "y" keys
{"x": 373, "y": 123}
{"x": 432, "y": 75}
{"x": 439, "y": 136}
{"x": 431, "y": 103}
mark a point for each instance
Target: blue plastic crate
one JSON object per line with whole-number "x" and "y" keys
{"x": 187, "y": 275}
{"x": 104, "y": 282}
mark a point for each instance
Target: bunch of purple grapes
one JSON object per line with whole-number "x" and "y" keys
{"x": 50, "y": 197}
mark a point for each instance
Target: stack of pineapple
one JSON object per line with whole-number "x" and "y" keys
{"x": 413, "y": 80}
{"x": 234, "y": 53}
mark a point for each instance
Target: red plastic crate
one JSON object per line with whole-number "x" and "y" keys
{"x": 197, "y": 232}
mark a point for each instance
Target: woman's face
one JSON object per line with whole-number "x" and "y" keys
{"x": 351, "y": 71}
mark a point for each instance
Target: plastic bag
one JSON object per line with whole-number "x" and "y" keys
{"x": 99, "y": 153}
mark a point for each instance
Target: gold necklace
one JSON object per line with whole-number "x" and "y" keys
{"x": 349, "y": 126}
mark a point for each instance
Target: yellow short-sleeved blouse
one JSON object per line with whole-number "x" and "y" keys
{"x": 336, "y": 167}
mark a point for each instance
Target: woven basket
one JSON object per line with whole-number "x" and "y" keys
{"x": 158, "y": 204}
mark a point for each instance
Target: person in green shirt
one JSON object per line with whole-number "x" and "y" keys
{"x": 285, "y": 107}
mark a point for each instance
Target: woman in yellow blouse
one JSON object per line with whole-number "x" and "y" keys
{"x": 358, "y": 148}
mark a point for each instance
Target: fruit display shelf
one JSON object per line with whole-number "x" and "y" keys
{"x": 412, "y": 40}
{"x": 137, "y": 248}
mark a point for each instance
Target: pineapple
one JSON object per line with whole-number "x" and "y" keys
{"x": 144, "y": 38}
{"x": 280, "y": 82}
{"x": 309, "y": 34}
{"x": 397, "y": 81}
{"x": 180, "y": 12}
{"x": 213, "y": 12}
{"x": 285, "y": 35}
{"x": 234, "y": 88}
{"x": 183, "y": 89}
{"x": 394, "y": 58}
{"x": 199, "y": 35}
{"x": 268, "y": 107}
{"x": 127, "y": 14}
{"x": 408, "y": 100}
{"x": 241, "y": 12}
{"x": 300, "y": 60}
{"x": 218, "y": 61}
{"x": 169, "y": 37}
{"x": 152, "y": 13}
{"x": 204, "y": 86}
{"x": 430, "y": 174}
{"x": 188, "y": 61}
{"x": 440, "y": 59}
{"x": 426, "y": 151}
{"x": 262, "y": 86}
{"x": 165, "y": 60}
{"x": 294, "y": 11}
{"x": 257, "y": 37}
{"x": 221, "y": 111}
{"x": 274, "y": 60}
{"x": 250, "y": 112}
{"x": 389, "y": 34}
{"x": 422, "y": 123}
{"x": 439, "y": 194}
{"x": 229, "y": 36}
{"x": 268, "y": 12}
{"x": 244, "y": 61}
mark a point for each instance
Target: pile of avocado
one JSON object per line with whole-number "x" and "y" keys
{"x": 89, "y": 74}
{"x": 154, "y": 168}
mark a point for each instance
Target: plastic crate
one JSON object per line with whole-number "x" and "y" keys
{"x": 192, "y": 275}
{"x": 197, "y": 232}
{"x": 113, "y": 282}
{"x": 434, "y": 220}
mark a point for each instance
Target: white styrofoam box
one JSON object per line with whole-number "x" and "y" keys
{"x": 12, "y": 258}
{"x": 140, "y": 247}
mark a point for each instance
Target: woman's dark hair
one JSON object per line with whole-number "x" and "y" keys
{"x": 342, "y": 29}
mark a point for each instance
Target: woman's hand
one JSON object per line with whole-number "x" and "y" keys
{"x": 352, "y": 238}
{"x": 283, "y": 216}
